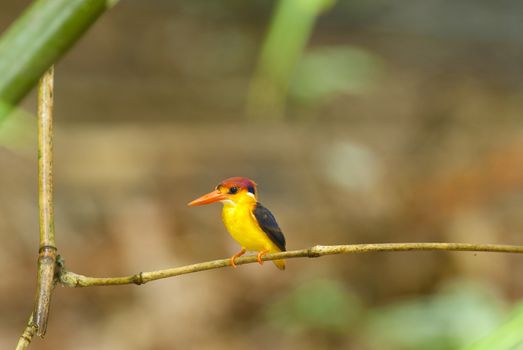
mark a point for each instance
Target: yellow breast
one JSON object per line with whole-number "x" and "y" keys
{"x": 242, "y": 226}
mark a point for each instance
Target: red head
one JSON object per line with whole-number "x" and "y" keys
{"x": 235, "y": 189}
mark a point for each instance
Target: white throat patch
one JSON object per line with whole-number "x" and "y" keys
{"x": 228, "y": 202}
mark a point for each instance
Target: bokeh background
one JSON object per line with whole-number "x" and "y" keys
{"x": 361, "y": 121}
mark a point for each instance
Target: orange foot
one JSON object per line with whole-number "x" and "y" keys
{"x": 260, "y": 254}
{"x": 237, "y": 255}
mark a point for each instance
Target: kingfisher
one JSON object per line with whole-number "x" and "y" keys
{"x": 249, "y": 223}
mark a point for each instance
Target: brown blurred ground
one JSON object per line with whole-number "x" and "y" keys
{"x": 150, "y": 114}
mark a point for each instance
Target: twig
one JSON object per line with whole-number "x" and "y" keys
{"x": 47, "y": 252}
{"x": 71, "y": 279}
{"x": 27, "y": 335}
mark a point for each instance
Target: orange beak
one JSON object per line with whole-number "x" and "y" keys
{"x": 211, "y": 197}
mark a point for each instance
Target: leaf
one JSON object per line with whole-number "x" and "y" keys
{"x": 37, "y": 39}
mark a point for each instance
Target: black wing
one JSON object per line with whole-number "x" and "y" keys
{"x": 269, "y": 225}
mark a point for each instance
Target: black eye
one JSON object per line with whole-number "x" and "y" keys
{"x": 233, "y": 190}
{"x": 250, "y": 189}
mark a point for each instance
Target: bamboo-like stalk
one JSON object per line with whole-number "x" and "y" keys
{"x": 71, "y": 279}
{"x": 37, "y": 323}
{"x": 27, "y": 335}
{"x": 47, "y": 251}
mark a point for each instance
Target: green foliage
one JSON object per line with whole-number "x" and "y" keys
{"x": 19, "y": 132}
{"x": 289, "y": 31}
{"x": 509, "y": 336}
{"x": 37, "y": 40}
{"x": 323, "y": 73}
{"x": 458, "y": 314}
{"x": 320, "y": 305}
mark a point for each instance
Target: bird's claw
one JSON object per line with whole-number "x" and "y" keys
{"x": 237, "y": 255}
{"x": 260, "y": 254}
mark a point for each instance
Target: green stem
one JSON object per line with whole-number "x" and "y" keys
{"x": 37, "y": 39}
{"x": 290, "y": 28}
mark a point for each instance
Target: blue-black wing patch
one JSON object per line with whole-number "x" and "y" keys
{"x": 269, "y": 225}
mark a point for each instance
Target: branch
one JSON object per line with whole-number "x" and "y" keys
{"x": 47, "y": 252}
{"x": 71, "y": 279}
{"x": 27, "y": 336}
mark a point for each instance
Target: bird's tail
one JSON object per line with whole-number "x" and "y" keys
{"x": 279, "y": 264}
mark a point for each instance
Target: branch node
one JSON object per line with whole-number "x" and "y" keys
{"x": 314, "y": 252}
{"x": 69, "y": 279}
{"x": 27, "y": 335}
{"x": 138, "y": 279}
{"x": 45, "y": 249}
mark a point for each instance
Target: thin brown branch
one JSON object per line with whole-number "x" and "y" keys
{"x": 47, "y": 251}
{"x": 71, "y": 279}
{"x": 27, "y": 335}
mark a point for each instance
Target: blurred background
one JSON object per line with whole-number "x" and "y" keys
{"x": 361, "y": 121}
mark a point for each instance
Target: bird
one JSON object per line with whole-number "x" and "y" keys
{"x": 249, "y": 223}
